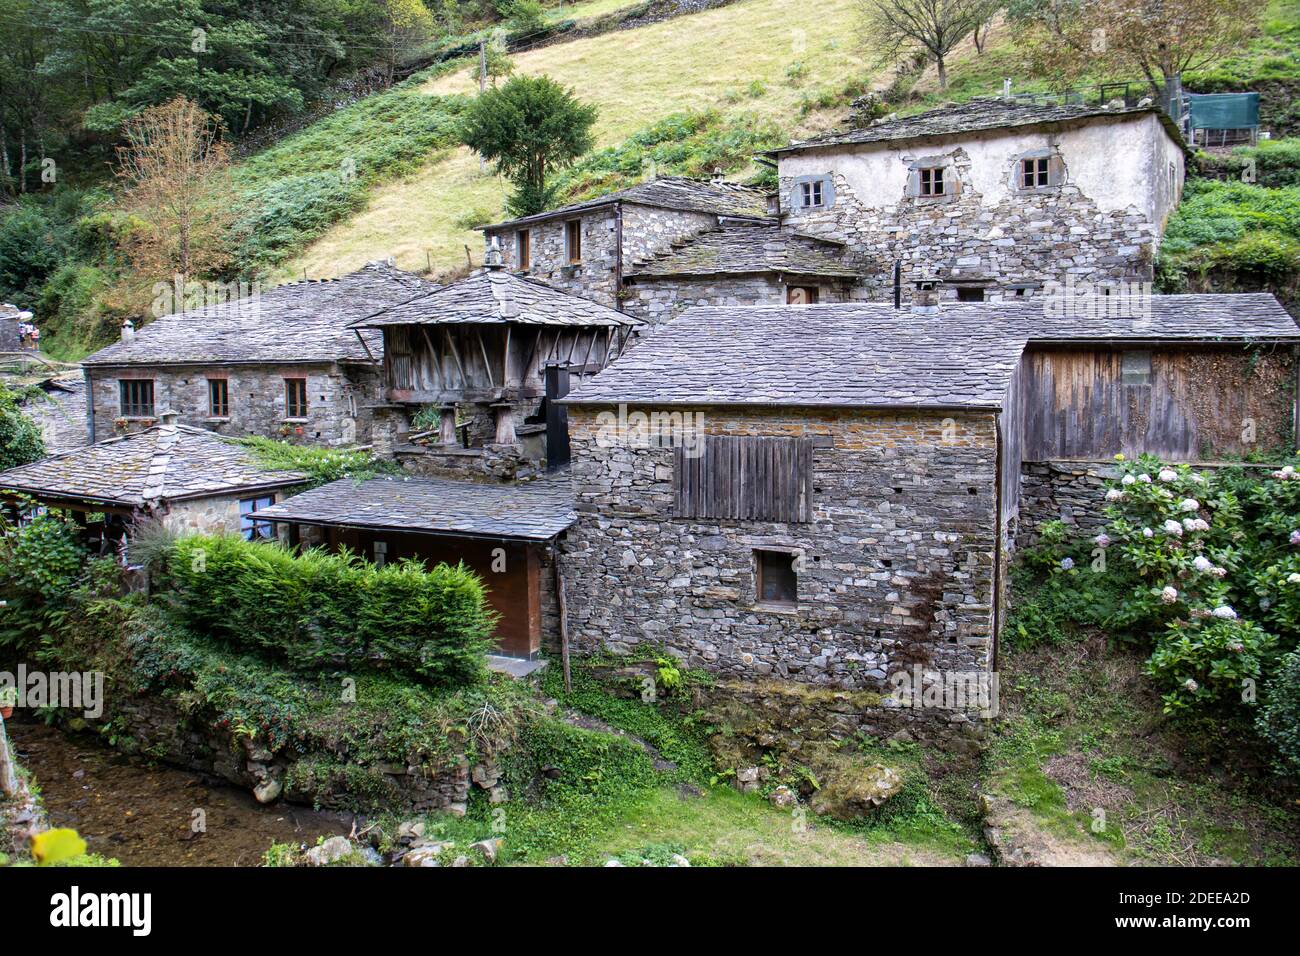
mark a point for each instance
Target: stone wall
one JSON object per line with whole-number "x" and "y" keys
{"x": 896, "y": 566}
{"x": 1101, "y": 224}
{"x": 660, "y": 299}
{"x": 215, "y": 514}
{"x": 339, "y": 400}
{"x": 1071, "y": 492}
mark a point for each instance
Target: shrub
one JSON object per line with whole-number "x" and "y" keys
{"x": 321, "y": 465}
{"x": 40, "y": 563}
{"x": 1279, "y": 717}
{"x": 20, "y": 439}
{"x": 319, "y": 611}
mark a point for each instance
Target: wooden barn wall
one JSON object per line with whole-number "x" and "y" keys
{"x": 1012, "y": 445}
{"x": 1199, "y": 405}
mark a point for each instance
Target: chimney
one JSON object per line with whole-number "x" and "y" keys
{"x": 128, "y": 331}
{"x": 925, "y": 297}
{"x": 717, "y": 174}
{"x": 168, "y": 418}
{"x": 493, "y": 260}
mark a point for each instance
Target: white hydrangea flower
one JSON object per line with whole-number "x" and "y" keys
{"x": 1114, "y": 494}
{"x": 1103, "y": 540}
{"x": 1189, "y": 524}
{"x": 1225, "y": 612}
{"x": 1127, "y": 480}
{"x": 1191, "y": 685}
{"x": 1170, "y": 594}
{"x": 1189, "y": 504}
{"x": 1295, "y": 537}
{"x": 1148, "y": 533}
{"x": 1145, "y": 479}
{"x": 1168, "y": 474}
{"x": 1202, "y": 563}
{"x": 1219, "y": 572}
{"x": 1173, "y": 527}
{"x": 1293, "y": 578}
{"x": 1067, "y": 564}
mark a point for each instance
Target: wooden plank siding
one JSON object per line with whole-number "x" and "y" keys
{"x": 453, "y": 362}
{"x": 1200, "y": 399}
{"x": 745, "y": 478}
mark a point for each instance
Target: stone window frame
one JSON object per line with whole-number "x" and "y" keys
{"x": 824, "y": 181}
{"x": 1056, "y": 171}
{"x": 213, "y": 413}
{"x": 795, "y": 556}
{"x": 290, "y": 405}
{"x": 130, "y": 398}
{"x": 952, "y": 185}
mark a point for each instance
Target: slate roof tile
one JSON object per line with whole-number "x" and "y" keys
{"x": 747, "y": 249}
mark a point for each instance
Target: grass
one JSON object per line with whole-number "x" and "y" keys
{"x": 636, "y": 78}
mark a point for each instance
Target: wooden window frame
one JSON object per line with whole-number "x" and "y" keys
{"x": 1035, "y": 172}
{"x": 812, "y": 291}
{"x": 131, "y": 402}
{"x": 573, "y": 241}
{"x": 524, "y": 249}
{"x": 292, "y": 409}
{"x": 218, "y": 398}
{"x": 763, "y": 557}
{"x": 251, "y": 528}
{"x": 1135, "y": 368}
{"x": 927, "y": 177}
{"x": 811, "y": 195}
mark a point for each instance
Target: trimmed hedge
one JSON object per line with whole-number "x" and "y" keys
{"x": 321, "y": 611}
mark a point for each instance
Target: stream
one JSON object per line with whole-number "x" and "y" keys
{"x": 140, "y": 812}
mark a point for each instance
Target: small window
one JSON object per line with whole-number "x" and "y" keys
{"x": 811, "y": 195}
{"x": 381, "y": 553}
{"x": 970, "y": 295}
{"x": 1135, "y": 368}
{"x": 573, "y": 240}
{"x": 136, "y": 395}
{"x": 218, "y": 398}
{"x": 295, "y": 398}
{"x": 931, "y": 181}
{"x": 1173, "y": 180}
{"x": 778, "y": 583}
{"x": 1034, "y": 172}
{"x": 524, "y": 248}
{"x": 250, "y": 527}
{"x": 801, "y": 295}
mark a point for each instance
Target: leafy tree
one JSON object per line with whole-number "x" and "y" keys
{"x": 20, "y": 439}
{"x": 173, "y": 168}
{"x": 897, "y": 29}
{"x": 1154, "y": 38}
{"x": 529, "y": 127}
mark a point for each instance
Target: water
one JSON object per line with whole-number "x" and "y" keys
{"x": 142, "y": 813}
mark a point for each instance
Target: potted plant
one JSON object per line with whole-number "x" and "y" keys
{"x": 8, "y": 698}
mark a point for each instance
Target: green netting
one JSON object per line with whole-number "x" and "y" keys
{"x": 1224, "y": 110}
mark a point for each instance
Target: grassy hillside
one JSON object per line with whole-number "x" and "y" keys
{"x": 740, "y": 60}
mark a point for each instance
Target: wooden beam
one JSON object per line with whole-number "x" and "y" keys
{"x": 455, "y": 353}
{"x": 487, "y": 363}
{"x": 433, "y": 357}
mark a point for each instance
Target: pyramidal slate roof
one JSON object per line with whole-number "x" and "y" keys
{"x": 535, "y": 510}
{"x": 718, "y": 197}
{"x": 494, "y": 296}
{"x": 746, "y": 249}
{"x": 298, "y": 322}
{"x": 869, "y": 355}
{"x": 984, "y": 113}
{"x": 166, "y": 462}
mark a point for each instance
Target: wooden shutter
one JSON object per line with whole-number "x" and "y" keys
{"x": 748, "y": 479}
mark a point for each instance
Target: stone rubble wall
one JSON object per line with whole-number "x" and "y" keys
{"x": 660, "y": 299}
{"x": 339, "y": 401}
{"x": 593, "y": 278}
{"x": 896, "y": 565}
{"x": 1071, "y": 492}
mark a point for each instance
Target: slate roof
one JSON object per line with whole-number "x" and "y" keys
{"x": 718, "y": 197}
{"x": 496, "y": 296}
{"x": 747, "y": 249}
{"x": 162, "y": 463}
{"x": 869, "y": 355}
{"x": 535, "y": 511}
{"x": 973, "y": 116}
{"x": 295, "y": 323}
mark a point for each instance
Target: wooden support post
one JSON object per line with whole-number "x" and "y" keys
{"x": 505, "y": 421}
{"x": 447, "y": 424}
{"x": 564, "y": 619}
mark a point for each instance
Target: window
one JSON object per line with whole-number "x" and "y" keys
{"x": 810, "y": 194}
{"x": 524, "y": 248}
{"x": 747, "y": 478}
{"x": 968, "y": 294}
{"x": 931, "y": 181}
{"x": 573, "y": 240}
{"x": 136, "y": 397}
{"x": 801, "y": 295}
{"x": 295, "y": 398}
{"x": 381, "y": 553}
{"x": 218, "y": 398}
{"x": 250, "y": 527}
{"x": 1034, "y": 172}
{"x": 778, "y": 582}
{"x": 1173, "y": 180}
{"x": 1135, "y": 368}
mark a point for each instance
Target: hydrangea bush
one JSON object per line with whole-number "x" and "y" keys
{"x": 1206, "y": 568}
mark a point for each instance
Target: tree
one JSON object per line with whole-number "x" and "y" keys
{"x": 1159, "y": 39}
{"x": 895, "y": 29}
{"x": 20, "y": 439}
{"x": 529, "y": 127}
{"x": 174, "y": 166}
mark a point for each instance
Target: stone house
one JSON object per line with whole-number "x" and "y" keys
{"x": 185, "y": 477}
{"x": 283, "y": 363}
{"x": 995, "y": 198}
{"x": 831, "y": 493}
{"x": 587, "y": 248}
